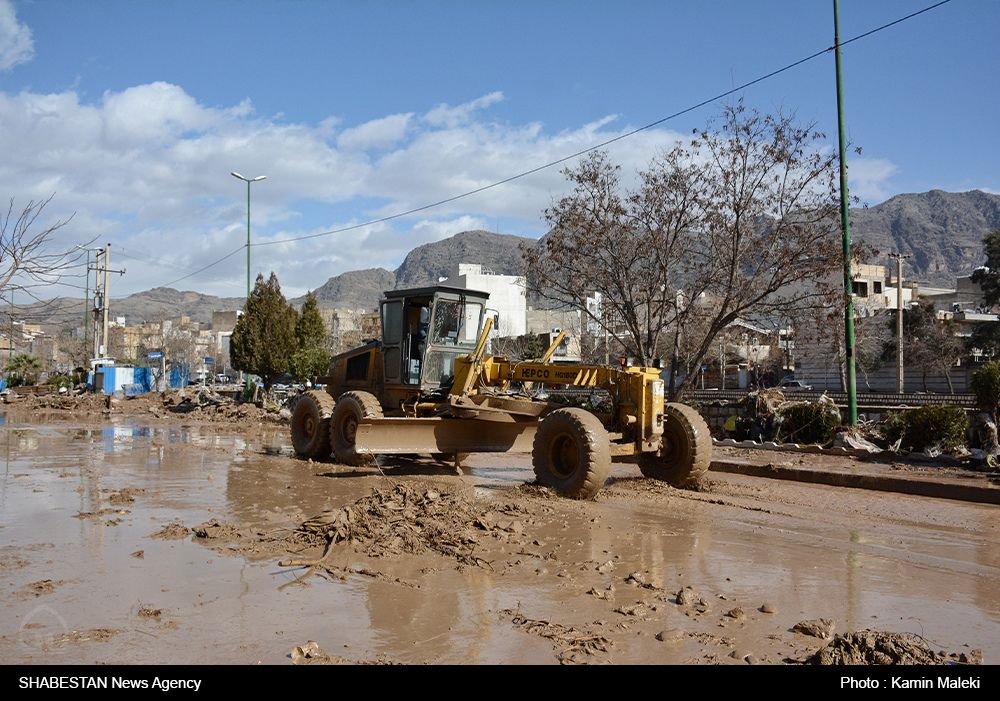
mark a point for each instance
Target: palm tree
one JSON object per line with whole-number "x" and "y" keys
{"x": 25, "y": 366}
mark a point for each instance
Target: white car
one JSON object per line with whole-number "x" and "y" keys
{"x": 793, "y": 385}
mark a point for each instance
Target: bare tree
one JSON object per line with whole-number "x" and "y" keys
{"x": 25, "y": 255}
{"x": 740, "y": 222}
{"x": 930, "y": 344}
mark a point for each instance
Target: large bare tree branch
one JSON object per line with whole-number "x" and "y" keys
{"x": 739, "y": 223}
{"x": 25, "y": 255}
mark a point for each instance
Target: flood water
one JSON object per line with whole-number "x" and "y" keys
{"x": 77, "y": 559}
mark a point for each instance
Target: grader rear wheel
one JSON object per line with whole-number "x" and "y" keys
{"x": 310, "y": 429}
{"x": 685, "y": 448}
{"x": 352, "y": 408}
{"x": 571, "y": 453}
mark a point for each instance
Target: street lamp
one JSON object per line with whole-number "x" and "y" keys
{"x": 248, "y": 181}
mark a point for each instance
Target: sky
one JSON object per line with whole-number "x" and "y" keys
{"x": 132, "y": 115}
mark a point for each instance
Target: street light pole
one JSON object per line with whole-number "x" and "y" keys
{"x": 248, "y": 181}
{"x": 899, "y": 319}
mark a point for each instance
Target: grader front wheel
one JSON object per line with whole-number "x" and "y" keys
{"x": 571, "y": 453}
{"x": 310, "y": 424}
{"x": 685, "y": 449}
{"x": 352, "y": 408}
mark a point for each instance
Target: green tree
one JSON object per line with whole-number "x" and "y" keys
{"x": 986, "y": 335}
{"x": 988, "y": 277}
{"x": 263, "y": 341}
{"x": 929, "y": 344}
{"x": 986, "y": 386}
{"x": 311, "y": 357}
{"x": 24, "y": 368}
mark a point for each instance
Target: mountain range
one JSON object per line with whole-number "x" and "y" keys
{"x": 941, "y": 231}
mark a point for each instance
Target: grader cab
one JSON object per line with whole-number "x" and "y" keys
{"x": 428, "y": 386}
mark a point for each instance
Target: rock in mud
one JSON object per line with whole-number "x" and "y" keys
{"x": 637, "y": 578}
{"x": 310, "y": 653}
{"x": 671, "y": 636}
{"x": 687, "y": 596}
{"x": 818, "y": 628}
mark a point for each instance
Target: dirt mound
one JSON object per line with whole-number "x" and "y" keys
{"x": 198, "y": 405}
{"x": 175, "y": 531}
{"x": 406, "y": 520}
{"x": 872, "y": 647}
{"x": 223, "y": 530}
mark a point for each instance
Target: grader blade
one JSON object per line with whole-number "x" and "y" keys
{"x": 444, "y": 435}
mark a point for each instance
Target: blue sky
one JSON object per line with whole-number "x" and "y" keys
{"x": 133, "y": 114}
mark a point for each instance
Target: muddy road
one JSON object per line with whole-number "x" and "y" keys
{"x": 99, "y": 562}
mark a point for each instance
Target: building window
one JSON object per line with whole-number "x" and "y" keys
{"x": 859, "y": 288}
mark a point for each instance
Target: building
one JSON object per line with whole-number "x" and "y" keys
{"x": 507, "y": 294}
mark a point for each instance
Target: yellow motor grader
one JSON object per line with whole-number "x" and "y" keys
{"x": 428, "y": 386}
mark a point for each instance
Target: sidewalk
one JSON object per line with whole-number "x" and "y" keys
{"x": 887, "y": 474}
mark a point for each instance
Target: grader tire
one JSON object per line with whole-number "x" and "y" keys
{"x": 571, "y": 453}
{"x": 685, "y": 449}
{"x": 310, "y": 424}
{"x": 352, "y": 408}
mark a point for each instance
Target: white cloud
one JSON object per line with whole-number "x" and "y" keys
{"x": 868, "y": 178}
{"x": 451, "y": 117}
{"x": 148, "y": 169}
{"x": 16, "y": 44}
{"x": 377, "y": 134}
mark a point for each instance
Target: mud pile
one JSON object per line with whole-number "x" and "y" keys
{"x": 406, "y": 520}
{"x": 871, "y": 647}
{"x": 197, "y": 405}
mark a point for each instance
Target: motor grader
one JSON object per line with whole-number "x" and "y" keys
{"x": 428, "y": 386}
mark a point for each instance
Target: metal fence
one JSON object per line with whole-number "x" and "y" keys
{"x": 866, "y": 400}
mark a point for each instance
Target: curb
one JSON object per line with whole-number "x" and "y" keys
{"x": 919, "y": 487}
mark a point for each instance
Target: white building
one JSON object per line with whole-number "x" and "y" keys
{"x": 507, "y": 294}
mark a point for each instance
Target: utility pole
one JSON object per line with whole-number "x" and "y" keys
{"x": 899, "y": 320}
{"x": 104, "y": 338}
{"x": 98, "y": 302}
{"x": 101, "y": 349}
{"x": 852, "y": 396}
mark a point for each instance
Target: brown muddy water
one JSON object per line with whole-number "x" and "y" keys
{"x": 541, "y": 580}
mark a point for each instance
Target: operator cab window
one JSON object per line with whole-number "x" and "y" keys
{"x": 456, "y": 323}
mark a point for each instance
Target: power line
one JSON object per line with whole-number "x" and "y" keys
{"x": 572, "y": 156}
{"x": 605, "y": 143}
{"x": 146, "y": 258}
{"x": 173, "y": 282}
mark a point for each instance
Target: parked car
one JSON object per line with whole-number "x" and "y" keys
{"x": 788, "y": 385}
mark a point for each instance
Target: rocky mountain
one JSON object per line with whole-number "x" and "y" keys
{"x": 356, "y": 289}
{"x": 942, "y": 231}
{"x": 426, "y": 264}
{"x": 160, "y": 302}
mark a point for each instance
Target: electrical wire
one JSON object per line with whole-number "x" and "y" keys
{"x": 604, "y": 143}
{"x": 566, "y": 158}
